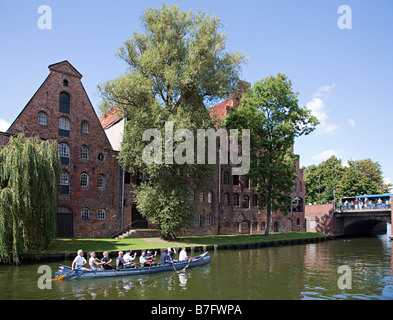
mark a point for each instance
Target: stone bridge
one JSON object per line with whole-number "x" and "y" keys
{"x": 328, "y": 220}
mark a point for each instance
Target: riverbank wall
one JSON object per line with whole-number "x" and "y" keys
{"x": 61, "y": 257}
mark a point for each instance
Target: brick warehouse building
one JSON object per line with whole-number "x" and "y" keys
{"x": 96, "y": 198}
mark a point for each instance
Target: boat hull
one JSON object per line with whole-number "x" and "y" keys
{"x": 92, "y": 274}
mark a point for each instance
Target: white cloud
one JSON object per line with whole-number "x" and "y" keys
{"x": 318, "y": 109}
{"x": 4, "y": 125}
{"x": 324, "y": 155}
{"x": 352, "y": 122}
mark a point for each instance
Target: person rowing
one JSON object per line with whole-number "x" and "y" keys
{"x": 94, "y": 264}
{"x": 79, "y": 261}
{"x": 106, "y": 264}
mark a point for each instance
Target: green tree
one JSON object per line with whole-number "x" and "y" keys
{"x": 321, "y": 180}
{"x": 29, "y": 178}
{"x": 177, "y": 66}
{"x": 358, "y": 178}
{"x": 271, "y": 111}
{"x": 362, "y": 177}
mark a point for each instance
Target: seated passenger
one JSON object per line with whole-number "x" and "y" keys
{"x": 94, "y": 264}
{"x": 105, "y": 263}
{"x": 128, "y": 258}
{"x": 143, "y": 259}
{"x": 120, "y": 262}
{"x": 165, "y": 257}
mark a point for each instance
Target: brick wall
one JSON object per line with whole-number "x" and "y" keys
{"x": 101, "y": 158}
{"x": 320, "y": 218}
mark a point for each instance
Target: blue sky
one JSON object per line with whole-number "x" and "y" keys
{"x": 344, "y": 76}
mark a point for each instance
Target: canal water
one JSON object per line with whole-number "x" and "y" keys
{"x": 296, "y": 272}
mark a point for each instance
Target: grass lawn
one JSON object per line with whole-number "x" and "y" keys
{"x": 73, "y": 245}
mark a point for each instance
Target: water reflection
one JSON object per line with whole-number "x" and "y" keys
{"x": 131, "y": 287}
{"x": 288, "y": 272}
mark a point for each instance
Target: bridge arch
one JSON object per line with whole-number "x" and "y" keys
{"x": 366, "y": 225}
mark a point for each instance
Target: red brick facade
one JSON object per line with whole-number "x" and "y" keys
{"x": 89, "y": 210}
{"x": 97, "y": 200}
{"x": 320, "y": 218}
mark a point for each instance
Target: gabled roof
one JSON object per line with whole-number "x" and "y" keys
{"x": 221, "y": 110}
{"x": 66, "y": 68}
{"x": 110, "y": 118}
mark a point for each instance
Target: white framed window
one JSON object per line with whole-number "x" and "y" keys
{"x": 64, "y": 150}
{"x": 209, "y": 220}
{"x": 313, "y": 224}
{"x": 101, "y": 181}
{"x": 85, "y": 153}
{"x": 101, "y": 214}
{"x": 64, "y": 123}
{"x": 210, "y": 197}
{"x": 42, "y": 119}
{"x": 84, "y": 180}
{"x": 85, "y": 214}
{"x": 197, "y": 220}
{"x": 64, "y": 178}
{"x": 85, "y": 127}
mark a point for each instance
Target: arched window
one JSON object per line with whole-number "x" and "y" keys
{"x": 263, "y": 225}
{"x": 85, "y": 153}
{"x": 64, "y": 103}
{"x": 85, "y": 127}
{"x": 64, "y": 127}
{"x": 85, "y": 214}
{"x": 101, "y": 181}
{"x": 201, "y": 196}
{"x": 64, "y": 151}
{"x": 244, "y": 225}
{"x": 84, "y": 180}
{"x": 65, "y": 83}
{"x": 210, "y": 197}
{"x": 197, "y": 220}
{"x": 226, "y": 178}
{"x": 42, "y": 119}
{"x": 209, "y": 220}
{"x": 64, "y": 183}
{"x": 101, "y": 214}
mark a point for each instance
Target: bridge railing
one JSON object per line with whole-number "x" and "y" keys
{"x": 363, "y": 207}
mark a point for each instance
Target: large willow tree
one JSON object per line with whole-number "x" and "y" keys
{"x": 29, "y": 178}
{"x": 177, "y": 66}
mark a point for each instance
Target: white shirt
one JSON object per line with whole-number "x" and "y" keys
{"x": 128, "y": 258}
{"x": 79, "y": 261}
{"x": 182, "y": 255}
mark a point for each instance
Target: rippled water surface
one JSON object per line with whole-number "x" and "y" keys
{"x": 290, "y": 272}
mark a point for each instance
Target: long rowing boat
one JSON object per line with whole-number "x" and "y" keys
{"x": 66, "y": 274}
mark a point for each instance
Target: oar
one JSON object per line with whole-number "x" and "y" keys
{"x": 59, "y": 278}
{"x": 189, "y": 260}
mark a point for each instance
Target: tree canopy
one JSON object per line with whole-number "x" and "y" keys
{"x": 29, "y": 178}
{"x": 270, "y": 110}
{"x": 177, "y": 66}
{"x": 358, "y": 177}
